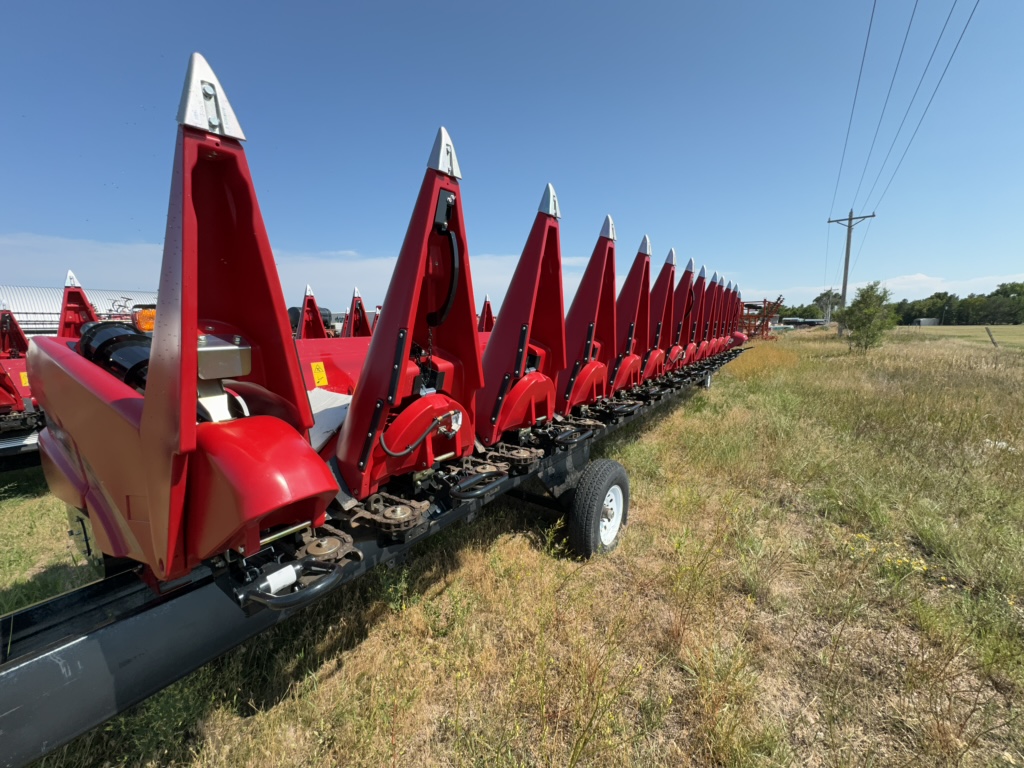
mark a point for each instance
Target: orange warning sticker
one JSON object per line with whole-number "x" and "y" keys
{"x": 319, "y": 374}
{"x": 24, "y": 379}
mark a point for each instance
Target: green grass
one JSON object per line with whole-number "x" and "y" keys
{"x": 35, "y": 561}
{"x": 824, "y": 566}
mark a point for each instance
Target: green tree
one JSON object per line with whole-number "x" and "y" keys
{"x": 1008, "y": 303}
{"x": 869, "y": 316}
{"x": 827, "y": 301}
{"x": 904, "y": 312}
{"x": 1009, "y": 290}
{"x": 804, "y": 311}
{"x": 971, "y": 310}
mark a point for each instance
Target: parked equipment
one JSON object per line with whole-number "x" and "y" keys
{"x": 229, "y": 475}
{"x": 311, "y": 321}
{"x": 486, "y": 324}
{"x": 20, "y": 414}
{"x": 356, "y": 321}
{"x": 20, "y": 418}
{"x": 756, "y": 317}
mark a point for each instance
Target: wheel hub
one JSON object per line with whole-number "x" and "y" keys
{"x": 611, "y": 515}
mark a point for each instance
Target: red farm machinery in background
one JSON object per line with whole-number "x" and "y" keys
{"x": 757, "y": 317}
{"x": 310, "y": 321}
{"x": 20, "y": 418}
{"x": 20, "y": 415}
{"x": 486, "y": 319}
{"x": 234, "y": 464}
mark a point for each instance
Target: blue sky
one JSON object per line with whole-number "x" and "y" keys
{"x": 715, "y": 127}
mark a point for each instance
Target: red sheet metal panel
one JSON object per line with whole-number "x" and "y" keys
{"x": 423, "y": 367}
{"x": 590, "y": 330}
{"x": 526, "y": 350}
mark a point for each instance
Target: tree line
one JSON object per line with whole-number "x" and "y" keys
{"x": 1003, "y": 306}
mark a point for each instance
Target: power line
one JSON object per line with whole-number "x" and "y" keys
{"x": 951, "y": 55}
{"x": 911, "y": 104}
{"x": 885, "y": 104}
{"x": 853, "y": 108}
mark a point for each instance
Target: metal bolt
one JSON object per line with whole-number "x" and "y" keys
{"x": 238, "y": 340}
{"x": 209, "y": 91}
{"x": 451, "y": 199}
{"x": 202, "y": 340}
{"x": 215, "y": 122}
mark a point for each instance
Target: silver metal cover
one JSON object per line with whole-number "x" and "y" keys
{"x": 608, "y": 229}
{"x": 442, "y": 156}
{"x": 204, "y": 105}
{"x": 222, "y": 357}
{"x": 549, "y": 203}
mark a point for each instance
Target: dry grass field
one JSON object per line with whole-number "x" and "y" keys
{"x": 1008, "y": 337}
{"x": 824, "y": 566}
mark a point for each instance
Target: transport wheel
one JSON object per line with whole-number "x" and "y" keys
{"x": 600, "y": 508}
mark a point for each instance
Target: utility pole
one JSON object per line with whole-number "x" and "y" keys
{"x": 849, "y": 222}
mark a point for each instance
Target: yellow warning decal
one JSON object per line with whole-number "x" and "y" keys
{"x": 319, "y": 374}
{"x": 24, "y": 379}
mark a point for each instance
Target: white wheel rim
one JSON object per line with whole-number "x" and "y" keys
{"x": 611, "y": 515}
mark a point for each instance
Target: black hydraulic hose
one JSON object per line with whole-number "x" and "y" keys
{"x": 415, "y": 444}
{"x": 573, "y": 436}
{"x": 478, "y": 485}
{"x": 626, "y": 410}
{"x": 331, "y": 578}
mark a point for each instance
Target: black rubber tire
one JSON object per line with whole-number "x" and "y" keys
{"x": 587, "y": 507}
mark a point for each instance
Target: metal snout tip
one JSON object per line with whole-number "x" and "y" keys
{"x": 671, "y": 258}
{"x": 442, "y": 156}
{"x": 71, "y": 281}
{"x": 204, "y": 104}
{"x": 608, "y": 228}
{"x": 645, "y": 246}
{"x": 549, "y": 202}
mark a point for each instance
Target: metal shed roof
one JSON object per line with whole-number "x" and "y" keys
{"x": 38, "y": 309}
